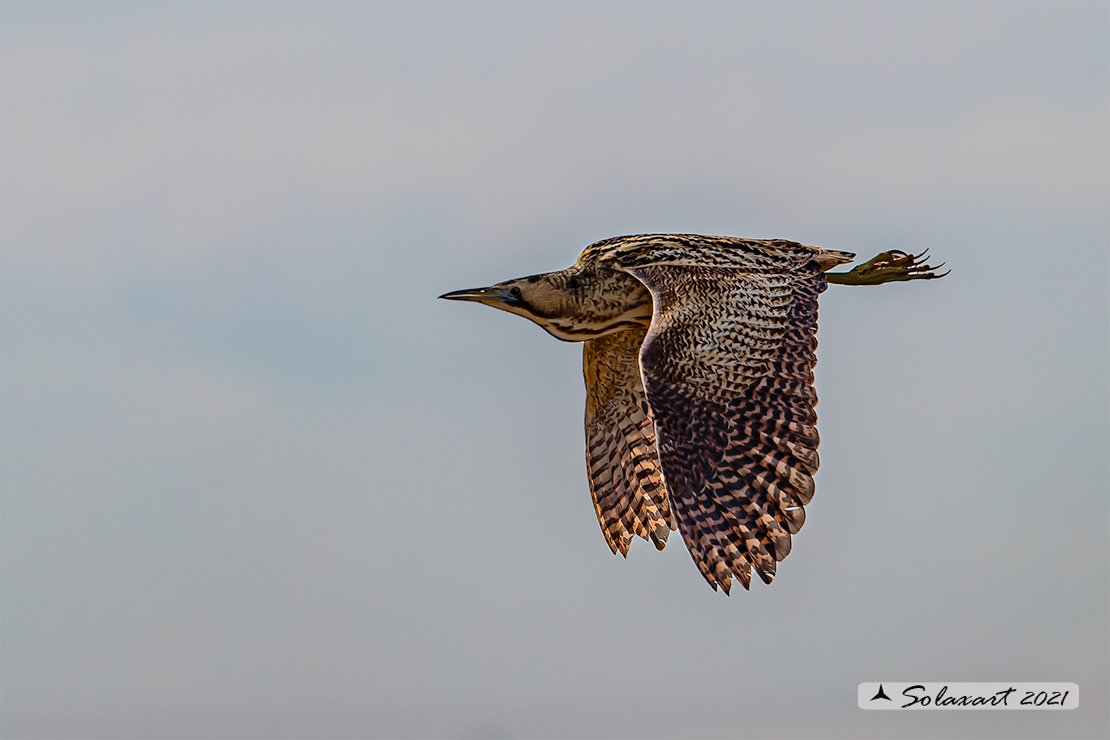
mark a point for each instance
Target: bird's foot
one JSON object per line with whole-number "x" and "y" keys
{"x": 888, "y": 267}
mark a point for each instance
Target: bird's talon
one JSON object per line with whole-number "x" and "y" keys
{"x": 890, "y": 266}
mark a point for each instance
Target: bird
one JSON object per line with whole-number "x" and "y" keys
{"x": 698, "y": 362}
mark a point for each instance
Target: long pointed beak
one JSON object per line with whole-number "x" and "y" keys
{"x": 488, "y": 296}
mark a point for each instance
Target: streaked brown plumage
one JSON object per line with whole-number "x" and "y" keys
{"x": 698, "y": 361}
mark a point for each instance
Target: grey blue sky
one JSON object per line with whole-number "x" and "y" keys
{"x": 258, "y": 482}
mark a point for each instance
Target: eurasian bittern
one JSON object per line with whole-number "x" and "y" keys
{"x": 699, "y": 356}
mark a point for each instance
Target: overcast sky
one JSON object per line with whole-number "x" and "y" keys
{"x": 258, "y": 482}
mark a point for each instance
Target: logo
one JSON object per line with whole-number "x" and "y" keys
{"x": 938, "y": 695}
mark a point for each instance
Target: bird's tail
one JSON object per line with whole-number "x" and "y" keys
{"x": 827, "y": 259}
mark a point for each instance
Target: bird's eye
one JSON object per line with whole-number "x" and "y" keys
{"x": 514, "y": 292}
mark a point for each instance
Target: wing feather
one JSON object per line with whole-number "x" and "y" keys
{"x": 728, "y": 369}
{"x": 621, "y": 457}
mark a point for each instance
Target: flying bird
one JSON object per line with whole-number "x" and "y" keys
{"x": 698, "y": 361}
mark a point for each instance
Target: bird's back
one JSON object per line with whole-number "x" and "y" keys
{"x": 695, "y": 250}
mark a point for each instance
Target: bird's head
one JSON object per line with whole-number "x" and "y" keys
{"x": 574, "y": 305}
{"x": 545, "y": 299}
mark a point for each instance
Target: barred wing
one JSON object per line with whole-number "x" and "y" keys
{"x": 728, "y": 368}
{"x": 621, "y": 457}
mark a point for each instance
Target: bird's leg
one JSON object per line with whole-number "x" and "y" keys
{"x": 888, "y": 267}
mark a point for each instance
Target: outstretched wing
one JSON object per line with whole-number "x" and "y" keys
{"x": 621, "y": 457}
{"x": 728, "y": 368}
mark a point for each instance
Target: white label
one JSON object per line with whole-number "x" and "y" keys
{"x": 940, "y": 695}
